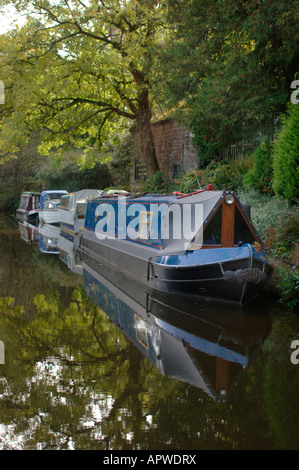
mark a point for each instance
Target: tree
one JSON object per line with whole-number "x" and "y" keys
{"x": 80, "y": 72}
{"x": 260, "y": 177}
{"x": 230, "y": 67}
{"x": 286, "y": 156}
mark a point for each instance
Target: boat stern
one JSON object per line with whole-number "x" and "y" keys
{"x": 235, "y": 274}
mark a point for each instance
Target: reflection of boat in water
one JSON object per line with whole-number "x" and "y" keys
{"x": 28, "y": 207}
{"x": 199, "y": 245}
{"x": 72, "y": 209}
{"x": 48, "y": 208}
{"x": 67, "y": 253}
{"x": 48, "y": 238}
{"x": 28, "y": 232}
{"x": 199, "y": 344}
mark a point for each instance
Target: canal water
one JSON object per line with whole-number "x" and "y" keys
{"x": 85, "y": 365}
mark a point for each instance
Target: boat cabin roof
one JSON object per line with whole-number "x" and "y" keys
{"x": 51, "y": 194}
{"x": 54, "y": 191}
{"x": 216, "y": 218}
{"x": 71, "y": 199}
{"x": 30, "y": 193}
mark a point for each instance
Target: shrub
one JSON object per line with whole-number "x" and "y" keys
{"x": 286, "y": 281}
{"x": 288, "y": 232}
{"x": 189, "y": 182}
{"x": 261, "y": 175}
{"x": 222, "y": 175}
{"x": 286, "y": 156}
{"x": 156, "y": 184}
{"x": 266, "y": 211}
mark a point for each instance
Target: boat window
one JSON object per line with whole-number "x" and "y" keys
{"x": 36, "y": 201}
{"x": 145, "y": 225}
{"x": 242, "y": 230}
{"x": 65, "y": 201}
{"x": 176, "y": 171}
{"x": 24, "y": 202}
{"x": 55, "y": 196}
{"x": 212, "y": 233}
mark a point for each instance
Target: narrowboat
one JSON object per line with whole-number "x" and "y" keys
{"x": 48, "y": 209}
{"x": 28, "y": 207}
{"x": 201, "y": 245}
{"x": 72, "y": 208}
{"x": 47, "y": 239}
{"x": 204, "y": 349}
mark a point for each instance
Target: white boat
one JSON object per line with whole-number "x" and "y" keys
{"x": 48, "y": 208}
{"x": 28, "y": 208}
{"x": 72, "y": 209}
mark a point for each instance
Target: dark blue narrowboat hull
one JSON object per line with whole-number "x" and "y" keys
{"x": 237, "y": 274}
{"x": 227, "y": 265}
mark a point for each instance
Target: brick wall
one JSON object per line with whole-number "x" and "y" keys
{"x": 174, "y": 151}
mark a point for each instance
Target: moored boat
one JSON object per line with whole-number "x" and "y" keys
{"x": 48, "y": 209}
{"x": 28, "y": 207}
{"x": 72, "y": 209}
{"x": 200, "y": 245}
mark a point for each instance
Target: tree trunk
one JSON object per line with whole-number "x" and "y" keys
{"x": 144, "y": 129}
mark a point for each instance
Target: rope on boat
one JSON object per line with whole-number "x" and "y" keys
{"x": 241, "y": 275}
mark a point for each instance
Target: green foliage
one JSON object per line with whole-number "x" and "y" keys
{"x": 261, "y": 175}
{"x": 74, "y": 179}
{"x": 228, "y": 82}
{"x": 286, "y": 281}
{"x": 286, "y": 156}
{"x": 74, "y": 171}
{"x": 189, "y": 183}
{"x": 118, "y": 162}
{"x": 17, "y": 175}
{"x": 157, "y": 184}
{"x": 287, "y": 233}
{"x": 277, "y": 222}
{"x": 222, "y": 175}
{"x": 81, "y": 73}
{"x": 265, "y": 210}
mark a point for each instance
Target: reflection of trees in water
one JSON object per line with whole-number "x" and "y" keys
{"x": 25, "y": 272}
{"x": 72, "y": 380}
{"x": 70, "y": 376}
